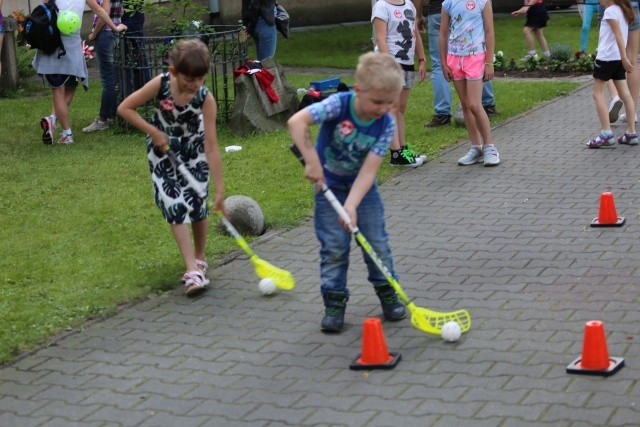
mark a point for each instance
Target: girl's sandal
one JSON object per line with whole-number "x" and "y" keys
{"x": 629, "y": 139}
{"x": 601, "y": 141}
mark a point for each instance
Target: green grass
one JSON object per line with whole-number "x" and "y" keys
{"x": 81, "y": 235}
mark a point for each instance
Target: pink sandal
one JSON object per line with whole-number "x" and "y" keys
{"x": 193, "y": 282}
{"x": 602, "y": 140}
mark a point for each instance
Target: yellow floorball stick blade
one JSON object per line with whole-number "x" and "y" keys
{"x": 282, "y": 278}
{"x": 431, "y": 322}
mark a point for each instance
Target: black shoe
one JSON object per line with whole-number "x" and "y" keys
{"x": 335, "y": 303}
{"x": 404, "y": 157}
{"x": 438, "y": 120}
{"x": 491, "y": 110}
{"x": 47, "y": 131}
{"x": 392, "y": 309}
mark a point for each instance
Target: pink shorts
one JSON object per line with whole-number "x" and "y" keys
{"x": 467, "y": 67}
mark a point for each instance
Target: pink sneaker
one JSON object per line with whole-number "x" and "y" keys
{"x": 193, "y": 282}
{"x": 48, "y": 129}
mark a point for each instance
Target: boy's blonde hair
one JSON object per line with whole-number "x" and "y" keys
{"x": 191, "y": 58}
{"x": 379, "y": 71}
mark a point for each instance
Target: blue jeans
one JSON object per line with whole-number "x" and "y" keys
{"x": 265, "y": 37}
{"x": 104, "y": 53}
{"x": 442, "y": 101}
{"x": 335, "y": 241}
{"x": 589, "y": 11}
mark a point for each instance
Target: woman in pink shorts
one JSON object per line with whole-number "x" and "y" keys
{"x": 466, "y": 53}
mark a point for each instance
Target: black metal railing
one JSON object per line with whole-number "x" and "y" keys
{"x": 138, "y": 58}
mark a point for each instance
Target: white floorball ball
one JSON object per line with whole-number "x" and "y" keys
{"x": 451, "y": 331}
{"x": 267, "y": 286}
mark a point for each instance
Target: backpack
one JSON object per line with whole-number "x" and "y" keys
{"x": 41, "y": 29}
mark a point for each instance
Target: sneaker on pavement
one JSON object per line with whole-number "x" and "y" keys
{"x": 602, "y": 140}
{"x": 491, "y": 110}
{"x": 407, "y": 148}
{"x": 629, "y": 139}
{"x": 474, "y": 155}
{"x": 193, "y": 282}
{"x": 623, "y": 117}
{"x": 48, "y": 129}
{"x": 66, "y": 138}
{"x": 438, "y": 120}
{"x": 614, "y": 109}
{"x": 491, "y": 156}
{"x": 404, "y": 158}
{"x": 96, "y": 126}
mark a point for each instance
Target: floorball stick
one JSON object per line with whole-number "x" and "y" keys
{"x": 282, "y": 278}
{"x": 423, "y": 319}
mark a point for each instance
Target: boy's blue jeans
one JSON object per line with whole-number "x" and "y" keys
{"x": 335, "y": 241}
{"x": 104, "y": 53}
{"x": 442, "y": 101}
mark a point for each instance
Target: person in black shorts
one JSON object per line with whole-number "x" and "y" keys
{"x": 537, "y": 18}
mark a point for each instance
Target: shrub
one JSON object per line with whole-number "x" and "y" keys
{"x": 560, "y": 52}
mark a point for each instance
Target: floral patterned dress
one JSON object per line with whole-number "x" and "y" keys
{"x": 178, "y": 201}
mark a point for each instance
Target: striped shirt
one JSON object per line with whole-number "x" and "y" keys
{"x": 114, "y": 13}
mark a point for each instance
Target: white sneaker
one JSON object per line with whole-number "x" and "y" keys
{"x": 614, "y": 109}
{"x": 490, "y": 155}
{"x": 623, "y": 117}
{"x": 95, "y": 126}
{"x": 474, "y": 155}
{"x": 66, "y": 138}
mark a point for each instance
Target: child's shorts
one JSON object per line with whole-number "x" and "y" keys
{"x": 409, "y": 79}
{"x": 608, "y": 70}
{"x": 537, "y": 16}
{"x": 467, "y": 67}
{"x": 59, "y": 80}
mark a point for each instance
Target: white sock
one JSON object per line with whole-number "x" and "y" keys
{"x": 54, "y": 119}
{"x": 66, "y": 131}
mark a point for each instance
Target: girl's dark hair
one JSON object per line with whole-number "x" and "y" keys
{"x": 191, "y": 58}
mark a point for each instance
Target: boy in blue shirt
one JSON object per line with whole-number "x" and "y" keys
{"x": 355, "y": 134}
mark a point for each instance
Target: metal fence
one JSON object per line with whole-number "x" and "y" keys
{"x": 138, "y": 58}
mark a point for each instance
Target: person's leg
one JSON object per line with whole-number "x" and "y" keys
{"x": 402, "y": 108}
{"x": 183, "y": 238}
{"x": 469, "y": 118}
{"x": 1, "y": 38}
{"x": 442, "y": 99}
{"x": 371, "y": 224}
{"x": 108, "y": 103}
{"x": 603, "y": 114}
{"x": 334, "y": 259}
{"x": 200, "y": 229}
{"x": 627, "y": 99}
{"x": 265, "y": 37}
{"x": 633, "y": 78}
{"x": 542, "y": 41}
{"x": 589, "y": 11}
{"x": 529, "y": 39}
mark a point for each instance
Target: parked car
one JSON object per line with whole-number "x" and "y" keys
{"x": 507, "y": 6}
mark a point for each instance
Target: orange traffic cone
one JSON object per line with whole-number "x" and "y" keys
{"x": 595, "y": 358}
{"x": 608, "y": 216}
{"x": 374, "y": 349}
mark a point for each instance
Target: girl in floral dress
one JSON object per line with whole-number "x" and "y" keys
{"x": 185, "y": 122}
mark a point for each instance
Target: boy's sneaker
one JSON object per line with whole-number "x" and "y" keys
{"x": 490, "y": 155}
{"x": 602, "y": 140}
{"x": 48, "y": 129}
{"x": 491, "y": 110}
{"x": 614, "y": 109}
{"x": 623, "y": 117}
{"x": 528, "y": 55}
{"x": 438, "y": 120}
{"x": 629, "y": 139}
{"x": 66, "y": 138}
{"x": 409, "y": 151}
{"x": 474, "y": 155}
{"x": 403, "y": 158}
{"x": 96, "y": 126}
{"x": 193, "y": 282}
